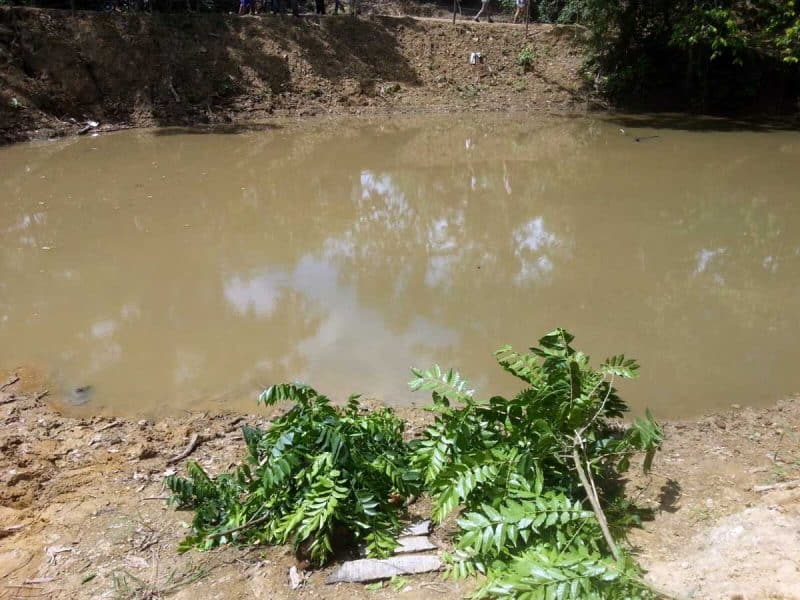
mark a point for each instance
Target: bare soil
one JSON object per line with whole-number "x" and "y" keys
{"x": 82, "y": 510}
{"x": 59, "y": 70}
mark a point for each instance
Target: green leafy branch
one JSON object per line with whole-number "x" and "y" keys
{"x": 531, "y": 476}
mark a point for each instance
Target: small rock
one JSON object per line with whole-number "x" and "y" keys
{"x": 418, "y": 528}
{"x": 142, "y": 452}
{"x": 16, "y": 476}
{"x": 370, "y": 569}
{"x": 80, "y": 395}
{"x": 390, "y": 88}
{"x": 413, "y": 543}
{"x": 295, "y": 578}
{"x": 135, "y": 562}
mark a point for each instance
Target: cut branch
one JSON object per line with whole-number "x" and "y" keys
{"x": 11, "y": 381}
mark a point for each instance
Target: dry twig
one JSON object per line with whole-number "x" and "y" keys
{"x": 783, "y": 485}
{"x": 193, "y": 443}
{"x": 11, "y": 381}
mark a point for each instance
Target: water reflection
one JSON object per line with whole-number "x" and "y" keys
{"x": 188, "y": 271}
{"x": 258, "y": 295}
{"x": 534, "y": 246}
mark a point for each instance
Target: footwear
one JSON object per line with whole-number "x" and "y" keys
{"x": 490, "y": 20}
{"x": 477, "y": 20}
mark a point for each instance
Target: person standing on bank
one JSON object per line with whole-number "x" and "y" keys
{"x": 520, "y": 9}
{"x": 486, "y": 9}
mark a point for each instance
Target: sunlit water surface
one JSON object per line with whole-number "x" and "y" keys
{"x": 173, "y": 270}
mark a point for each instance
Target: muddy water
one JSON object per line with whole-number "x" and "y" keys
{"x": 173, "y": 270}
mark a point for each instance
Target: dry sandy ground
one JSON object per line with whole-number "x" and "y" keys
{"x": 81, "y": 514}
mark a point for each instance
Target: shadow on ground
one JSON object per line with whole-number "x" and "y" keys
{"x": 178, "y": 69}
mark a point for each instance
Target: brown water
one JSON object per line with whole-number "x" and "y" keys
{"x": 175, "y": 271}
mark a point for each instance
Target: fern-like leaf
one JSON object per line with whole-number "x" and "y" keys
{"x": 460, "y": 483}
{"x": 292, "y": 392}
{"x": 489, "y": 531}
{"x": 522, "y": 366}
{"x": 542, "y": 573}
{"x": 446, "y": 384}
{"x": 620, "y": 366}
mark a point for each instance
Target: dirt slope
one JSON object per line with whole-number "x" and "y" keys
{"x": 145, "y": 70}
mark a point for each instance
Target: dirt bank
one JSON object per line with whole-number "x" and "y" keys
{"x": 82, "y": 512}
{"x": 59, "y": 70}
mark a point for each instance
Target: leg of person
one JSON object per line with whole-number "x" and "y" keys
{"x": 484, "y": 3}
{"x": 489, "y": 11}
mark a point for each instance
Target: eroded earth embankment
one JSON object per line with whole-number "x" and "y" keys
{"x": 59, "y": 70}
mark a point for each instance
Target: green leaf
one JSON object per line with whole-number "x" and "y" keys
{"x": 620, "y": 366}
{"x": 292, "y": 392}
{"x": 447, "y": 384}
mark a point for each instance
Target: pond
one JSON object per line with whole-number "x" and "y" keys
{"x": 176, "y": 270}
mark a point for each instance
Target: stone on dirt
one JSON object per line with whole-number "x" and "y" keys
{"x": 413, "y": 543}
{"x": 418, "y": 528}
{"x": 295, "y": 578}
{"x": 371, "y": 569}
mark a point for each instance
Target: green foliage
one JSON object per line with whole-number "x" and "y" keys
{"x": 526, "y": 57}
{"x": 509, "y": 462}
{"x": 783, "y": 23}
{"x": 543, "y": 572}
{"x": 715, "y": 28}
{"x": 512, "y": 471}
{"x": 317, "y": 473}
{"x": 559, "y": 11}
{"x": 127, "y": 586}
{"x": 706, "y": 53}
